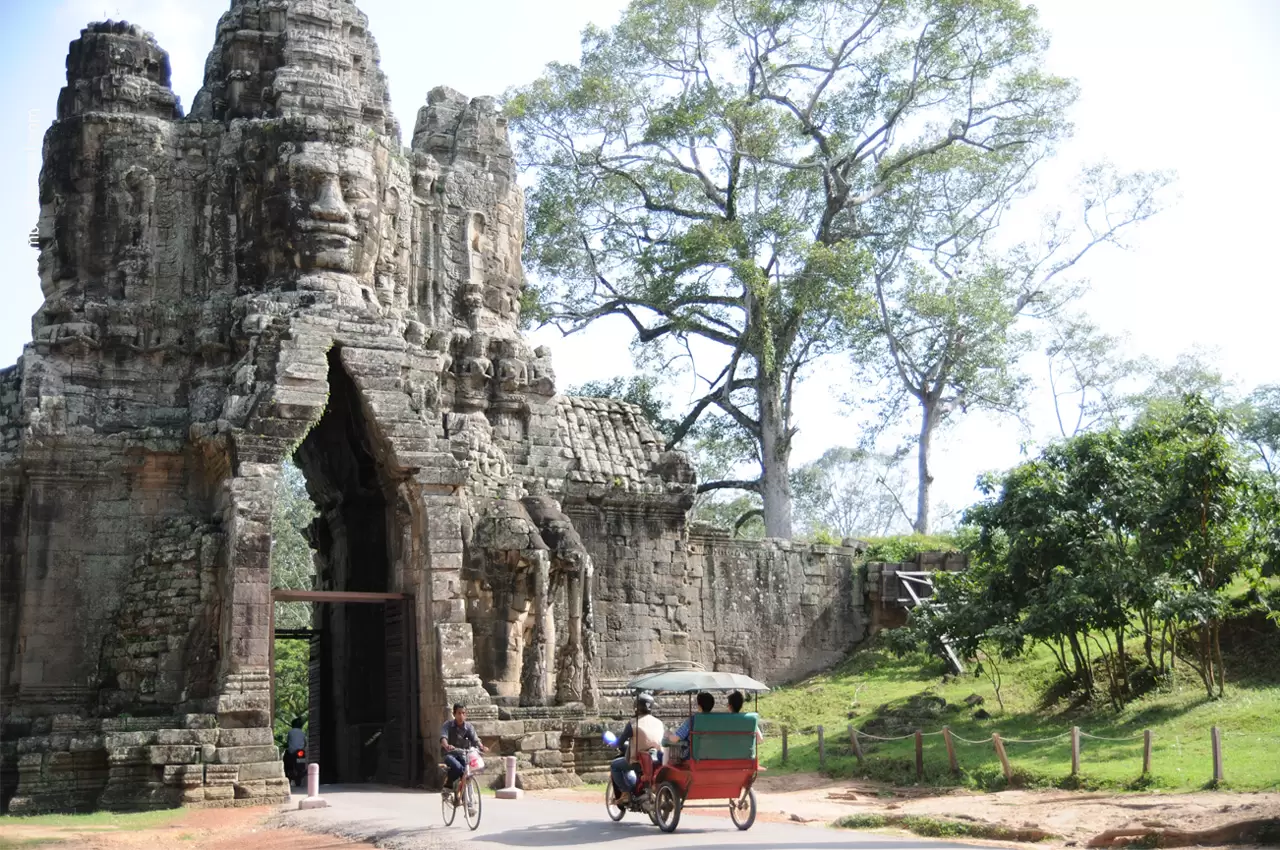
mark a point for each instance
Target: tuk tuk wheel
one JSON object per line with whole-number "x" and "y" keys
{"x": 614, "y": 811}
{"x": 743, "y": 810}
{"x": 667, "y": 807}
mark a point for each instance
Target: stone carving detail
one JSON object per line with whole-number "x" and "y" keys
{"x": 277, "y": 276}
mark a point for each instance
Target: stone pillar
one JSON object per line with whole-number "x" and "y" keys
{"x": 534, "y": 675}
{"x": 569, "y": 682}
{"x": 590, "y": 672}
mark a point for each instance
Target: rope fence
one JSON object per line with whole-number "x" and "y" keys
{"x": 856, "y": 736}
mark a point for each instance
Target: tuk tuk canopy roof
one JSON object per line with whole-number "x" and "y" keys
{"x": 693, "y": 681}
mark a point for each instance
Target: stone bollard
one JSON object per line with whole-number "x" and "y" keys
{"x": 510, "y": 792}
{"x": 313, "y": 800}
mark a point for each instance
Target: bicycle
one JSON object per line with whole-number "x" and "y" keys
{"x": 469, "y": 798}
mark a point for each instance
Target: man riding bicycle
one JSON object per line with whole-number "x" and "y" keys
{"x": 456, "y": 736}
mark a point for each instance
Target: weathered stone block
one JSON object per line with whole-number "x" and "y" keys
{"x": 244, "y": 755}
{"x": 173, "y": 755}
{"x": 262, "y": 770}
{"x": 255, "y": 736}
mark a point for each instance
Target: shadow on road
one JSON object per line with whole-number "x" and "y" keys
{"x": 592, "y": 832}
{"x": 571, "y": 832}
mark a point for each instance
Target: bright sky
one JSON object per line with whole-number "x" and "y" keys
{"x": 1171, "y": 84}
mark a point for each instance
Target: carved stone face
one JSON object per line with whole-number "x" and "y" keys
{"x": 336, "y": 199}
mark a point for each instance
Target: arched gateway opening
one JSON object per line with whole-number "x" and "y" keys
{"x": 362, "y": 694}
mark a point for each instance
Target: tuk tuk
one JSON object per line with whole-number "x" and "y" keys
{"x": 722, "y": 761}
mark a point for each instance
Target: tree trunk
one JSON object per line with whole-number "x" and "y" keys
{"x": 1206, "y": 660}
{"x": 1083, "y": 667}
{"x": 775, "y": 456}
{"x": 924, "y": 478}
{"x": 1217, "y": 655}
{"x": 1124, "y": 663}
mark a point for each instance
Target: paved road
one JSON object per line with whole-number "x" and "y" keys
{"x": 403, "y": 820}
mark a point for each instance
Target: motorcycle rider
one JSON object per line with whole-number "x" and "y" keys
{"x": 642, "y": 734}
{"x": 294, "y": 742}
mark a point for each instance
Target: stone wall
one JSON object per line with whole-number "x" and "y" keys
{"x": 774, "y": 610}
{"x": 887, "y": 600}
{"x": 668, "y": 592}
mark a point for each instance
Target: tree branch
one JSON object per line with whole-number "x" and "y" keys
{"x": 750, "y": 486}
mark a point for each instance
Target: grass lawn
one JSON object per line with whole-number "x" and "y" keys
{"x": 873, "y": 682}
{"x": 97, "y": 821}
{"x": 69, "y": 830}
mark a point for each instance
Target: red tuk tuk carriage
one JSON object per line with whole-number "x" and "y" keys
{"x": 722, "y": 760}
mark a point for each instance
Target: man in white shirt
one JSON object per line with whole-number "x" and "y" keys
{"x": 642, "y": 734}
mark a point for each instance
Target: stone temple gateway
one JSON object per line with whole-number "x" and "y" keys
{"x": 277, "y": 275}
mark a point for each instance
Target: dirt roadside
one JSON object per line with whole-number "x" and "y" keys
{"x": 192, "y": 829}
{"x": 1075, "y": 817}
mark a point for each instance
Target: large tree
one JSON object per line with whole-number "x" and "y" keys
{"x": 1087, "y": 372}
{"x": 948, "y": 330}
{"x": 851, "y": 492}
{"x": 722, "y": 173}
{"x": 1260, "y": 428}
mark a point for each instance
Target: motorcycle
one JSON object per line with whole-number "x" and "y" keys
{"x": 295, "y": 767}
{"x": 642, "y": 798}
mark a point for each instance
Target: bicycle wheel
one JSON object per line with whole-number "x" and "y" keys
{"x": 615, "y": 813}
{"x": 743, "y": 810}
{"x": 448, "y": 808}
{"x": 471, "y": 802}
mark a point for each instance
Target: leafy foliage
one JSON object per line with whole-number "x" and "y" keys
{"x": 293, "y": 687}
{"x": 292, "y": 568}
{"x": 1260, "y": 428}
{"x": 1110, "y": 536}
{"x": 897, "y": 549}
{"x": 1086, "y": 374}
{"x": 291, "y": 565}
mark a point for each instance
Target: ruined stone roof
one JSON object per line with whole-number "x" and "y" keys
{"x": 612, "y": 444}
{"x": 116, "y": 66}
{"x": 296, "y": 58}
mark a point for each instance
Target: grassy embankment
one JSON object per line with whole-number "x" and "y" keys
{"x": 874, "y": 691}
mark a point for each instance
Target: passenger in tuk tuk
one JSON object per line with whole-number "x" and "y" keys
{"x": 680, "y": 737}
{"x": 643, "y": 733}
{"x": 735, "y": 705}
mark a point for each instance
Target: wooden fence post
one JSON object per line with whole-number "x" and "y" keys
{"x": 1075, "y": 750}
{"x": 822, "y": 749}
{"x": 857, "y": 745}
{"x": 784, "y": 745}
{"x": 951, "y": 750}
{"x": 1004, "y": 759}
{"x": 919, "y": 755}
{"x": 1146, "y": 751}
{"x": 1217, "y": 754}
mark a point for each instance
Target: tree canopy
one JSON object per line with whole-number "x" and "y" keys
{"x": 736, "y": 179}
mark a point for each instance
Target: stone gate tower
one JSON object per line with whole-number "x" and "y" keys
{"x": 276, "y": 275}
